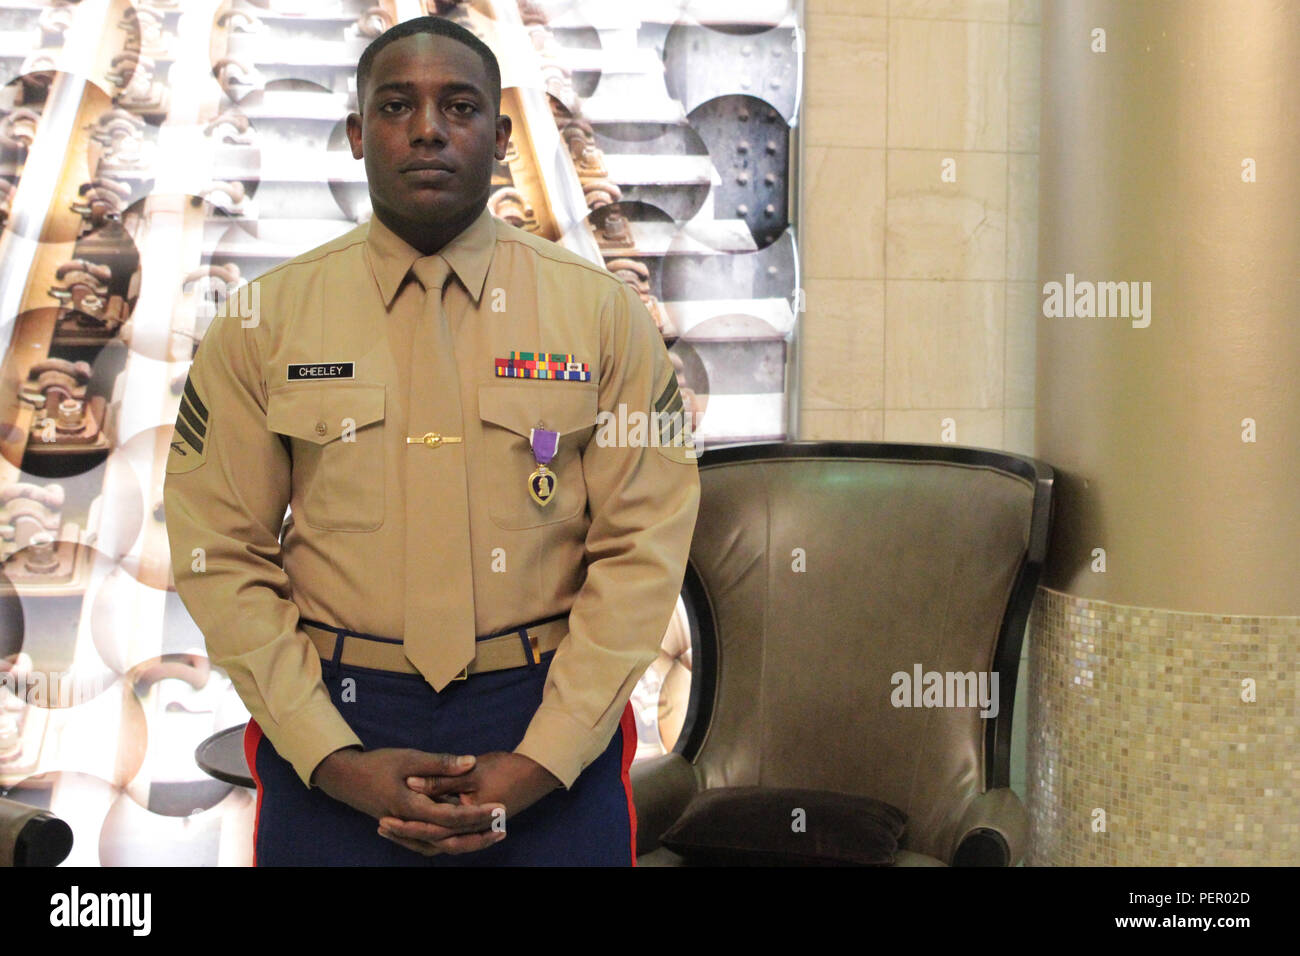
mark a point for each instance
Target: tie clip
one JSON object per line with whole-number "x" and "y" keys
{"x": 432, "y": 439}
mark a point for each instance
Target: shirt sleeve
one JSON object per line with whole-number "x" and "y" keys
{"x": 643, "y": 495}
{"x": 227, "y": 486}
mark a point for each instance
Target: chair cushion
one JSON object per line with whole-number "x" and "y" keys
{"x": 749, "y": 826}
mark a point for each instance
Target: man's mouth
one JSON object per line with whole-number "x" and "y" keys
{"x": 424, "y": 169}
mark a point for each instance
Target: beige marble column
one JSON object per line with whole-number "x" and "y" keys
{"x": 1164, "y": 721}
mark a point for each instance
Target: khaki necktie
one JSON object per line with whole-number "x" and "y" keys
{"x": 439, "y": 615}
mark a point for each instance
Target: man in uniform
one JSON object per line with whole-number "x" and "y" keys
{"x": 467, "y": 567}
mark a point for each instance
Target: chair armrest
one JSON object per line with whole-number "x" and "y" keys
{"x": 661, "y": 788}
{"x": 994, "y": 831}
{"x": 30, "y": 836}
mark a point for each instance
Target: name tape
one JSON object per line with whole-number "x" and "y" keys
{"x": 317, "y": 370}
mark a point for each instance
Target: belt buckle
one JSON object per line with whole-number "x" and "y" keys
{"x": 464, "y": 673}
{"x": 532, "y": 646}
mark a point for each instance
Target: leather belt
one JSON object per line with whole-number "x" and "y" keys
{"x": 494, "y": 653}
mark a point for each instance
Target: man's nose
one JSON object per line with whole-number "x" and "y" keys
{"x": 427, "y": 125}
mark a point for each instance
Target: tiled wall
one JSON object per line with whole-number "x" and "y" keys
{"x": 921, "y": 294}
{"x": 1149, "y": 748}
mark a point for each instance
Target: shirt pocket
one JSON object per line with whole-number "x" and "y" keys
{"x": 508, "y": 413}
{"x": 338, "y": 452}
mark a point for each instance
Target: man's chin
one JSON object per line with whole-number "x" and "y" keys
{"x": 430, "y": 197}
{"x": 428, "y": 205}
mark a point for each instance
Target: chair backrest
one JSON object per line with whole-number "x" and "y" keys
{"x": 818, "y": 571}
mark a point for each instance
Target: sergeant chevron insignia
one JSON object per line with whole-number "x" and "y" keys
{"x": 675, "y": 440}
{"x": 190, "y": 436}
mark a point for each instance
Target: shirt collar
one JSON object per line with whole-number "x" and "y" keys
{"x": 469, "y": 254}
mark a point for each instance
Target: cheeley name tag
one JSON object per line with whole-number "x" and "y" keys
{"x": 313, "y": 371}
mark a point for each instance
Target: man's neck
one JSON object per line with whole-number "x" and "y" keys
{"x": 428, "y": 237}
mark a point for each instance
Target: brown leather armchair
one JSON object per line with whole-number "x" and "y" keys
{"x": 30, "y": 836}
{"x": 818, "y": 572}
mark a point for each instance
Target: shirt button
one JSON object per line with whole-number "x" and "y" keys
{"x": 321, "y": 428}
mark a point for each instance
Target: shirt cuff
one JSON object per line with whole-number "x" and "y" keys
{"x": 560, "y": 743}
{"x": 311, "y": 736}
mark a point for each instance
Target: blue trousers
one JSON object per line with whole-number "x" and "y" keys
{"x": 591, "y": 824}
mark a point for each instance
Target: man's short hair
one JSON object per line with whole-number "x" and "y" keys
{"x": 438, "y": 26}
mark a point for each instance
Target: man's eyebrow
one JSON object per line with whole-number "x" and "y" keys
{"x": 456, "y": 86}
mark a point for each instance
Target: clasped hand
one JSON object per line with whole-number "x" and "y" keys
{"x": 431, "y": 803}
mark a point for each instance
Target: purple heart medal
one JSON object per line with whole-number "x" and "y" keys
{"x": 541, "y": 483}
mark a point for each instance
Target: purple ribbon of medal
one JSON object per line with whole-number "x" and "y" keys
{"x": 541, "y": 483}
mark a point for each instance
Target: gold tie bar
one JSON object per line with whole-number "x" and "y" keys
{"x": 432, "y": 439}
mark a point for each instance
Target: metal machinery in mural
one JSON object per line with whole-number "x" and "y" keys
{"x": 156, "y": 156}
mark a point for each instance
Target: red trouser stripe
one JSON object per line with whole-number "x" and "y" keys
{"x": 628, "y": 726}
{"x": 253, "y": 737}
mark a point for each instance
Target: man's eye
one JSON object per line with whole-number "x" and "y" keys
{"x": 465, "y": 109}
{"x": 392, "y": 106}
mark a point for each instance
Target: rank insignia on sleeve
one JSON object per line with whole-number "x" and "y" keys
{"x": 190, "y": 436}
{"x": 674, "y": 422}
{"x": 552, "y": 366}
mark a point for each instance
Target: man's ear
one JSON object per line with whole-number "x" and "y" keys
{"x": 353, "y": 128}
{"x": 503, "y": 136}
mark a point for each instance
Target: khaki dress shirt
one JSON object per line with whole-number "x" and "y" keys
{"x": 610, "y": 549}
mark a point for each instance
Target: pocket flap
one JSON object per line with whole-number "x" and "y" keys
{"x": 519, "y": 406}
{"x": 318, "y": 413}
